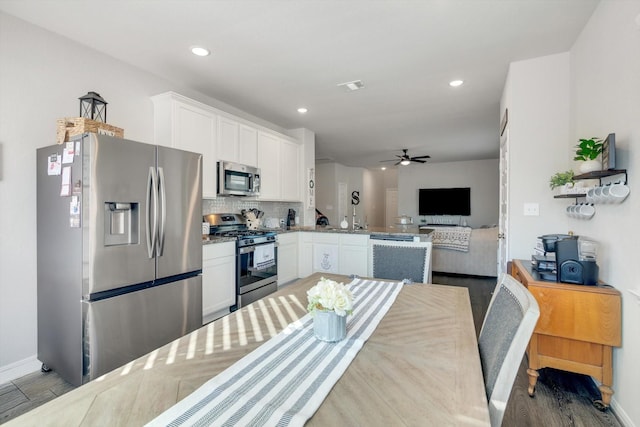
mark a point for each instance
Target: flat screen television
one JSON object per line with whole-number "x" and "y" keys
{"x": 444, "y": 201}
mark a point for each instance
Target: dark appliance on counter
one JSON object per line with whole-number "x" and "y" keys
{"x": 235, "y": 179}
{"x": 256, "y": 257}
{"x": 291, "y": 219}
{"x": 119, "y": 252}
{"x": 572, "y": 259}
{"x": 321, "y": 219}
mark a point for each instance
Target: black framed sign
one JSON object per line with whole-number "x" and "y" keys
{"x": 609, "y": 152}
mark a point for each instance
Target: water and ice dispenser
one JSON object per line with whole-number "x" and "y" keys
{"x": 121, "y": 222}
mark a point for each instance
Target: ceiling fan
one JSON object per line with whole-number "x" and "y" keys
{"x": 405, "y": 159}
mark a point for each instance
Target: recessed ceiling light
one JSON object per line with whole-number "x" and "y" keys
{"x": 455, "y": 83}
{"x": 351, "y": 86}
{"x": 302, "y": 110}
{"x": 200, "y": 51}
{"x": 383, "y": 168}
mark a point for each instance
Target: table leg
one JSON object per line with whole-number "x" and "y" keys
{"x": 532, "y": 354}
{"x": 607, "y": 379}
{"x": 533, "y": 379}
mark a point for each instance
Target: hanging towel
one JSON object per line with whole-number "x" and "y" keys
{"x": 264, "y": 256}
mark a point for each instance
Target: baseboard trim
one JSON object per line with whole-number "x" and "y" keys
{"x": 18, "y": 369}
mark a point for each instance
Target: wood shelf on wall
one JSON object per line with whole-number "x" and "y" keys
{"x": 601, "y": 174}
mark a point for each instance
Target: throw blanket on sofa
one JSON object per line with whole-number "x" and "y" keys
{"x": 454, "y": 238}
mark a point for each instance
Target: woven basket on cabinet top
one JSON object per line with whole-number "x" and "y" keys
{"x": 71, "y": 126}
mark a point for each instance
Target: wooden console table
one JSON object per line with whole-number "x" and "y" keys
{"x": 577, "y": 329}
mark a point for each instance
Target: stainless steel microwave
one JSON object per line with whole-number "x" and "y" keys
{"x": 235, "y": 179}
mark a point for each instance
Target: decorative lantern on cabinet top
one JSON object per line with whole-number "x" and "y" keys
{"x": 93, "y": 107}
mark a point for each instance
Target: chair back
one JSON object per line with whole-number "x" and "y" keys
{"x": 408, "y": 261}
{"x": 507, "y": 328}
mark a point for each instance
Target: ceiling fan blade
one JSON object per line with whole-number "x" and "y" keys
{"x": 397, "y": 164}
{"x": 418, "y": 160}
{"x": 421, "y": 157}
{"x": 393, "y": 160}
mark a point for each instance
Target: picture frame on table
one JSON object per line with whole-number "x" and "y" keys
{"x": 609, "y": 152}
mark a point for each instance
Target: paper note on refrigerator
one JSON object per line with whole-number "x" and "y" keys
{"x": 68, "y": 153}
{"x": 54, "y": 165}
{"x": 65, "y": 188}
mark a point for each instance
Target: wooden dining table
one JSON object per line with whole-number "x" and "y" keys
{"x": 420, "y": 367}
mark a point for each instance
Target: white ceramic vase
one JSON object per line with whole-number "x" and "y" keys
{"x": 329, "y": 327}
{"x": 344, "y": 223}
{"x": 590, "y": 166}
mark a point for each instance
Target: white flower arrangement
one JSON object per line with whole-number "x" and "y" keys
{"x": 329, "y": 295}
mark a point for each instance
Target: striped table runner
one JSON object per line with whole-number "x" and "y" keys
{"x": 284, "y": 381}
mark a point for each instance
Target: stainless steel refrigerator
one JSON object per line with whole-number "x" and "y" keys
{"x": 119, "y": 252}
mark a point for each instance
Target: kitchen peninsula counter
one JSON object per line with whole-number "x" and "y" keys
{"x": 424, "y": 234}
{"x": 399, "y": 230}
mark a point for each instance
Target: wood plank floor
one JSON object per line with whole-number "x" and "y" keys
{"x": 562, "y": 398}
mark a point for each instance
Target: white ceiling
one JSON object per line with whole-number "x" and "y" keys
{"x": 270, "y": 57}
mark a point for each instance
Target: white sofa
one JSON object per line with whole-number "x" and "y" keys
{"x": 480, "y": 260}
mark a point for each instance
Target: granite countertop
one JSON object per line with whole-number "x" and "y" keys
{"x": 208, "y": 240}
{"x": 399, "y": 229}
{"x": 412, "y": 230}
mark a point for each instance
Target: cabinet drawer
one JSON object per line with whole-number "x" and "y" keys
{"x": 582, "y": 316}
{"x": 217, "y": 250}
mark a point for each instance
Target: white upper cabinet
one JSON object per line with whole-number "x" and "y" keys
{"x": 183, "y": 123}
{"x": 188, "y": 125}
{"x": 290, "y": 171}
{"x": 228, "y": 139}
{"x": 248, "y": 146}
{"x": 278, "y": 160}
{"x": 269, "y": 164}
{"x": 237, "y": 142}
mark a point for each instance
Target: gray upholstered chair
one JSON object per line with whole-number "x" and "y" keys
{"x": 408, "y": 261}
{"x": 507, "y": 328}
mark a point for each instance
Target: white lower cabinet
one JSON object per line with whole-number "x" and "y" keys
{"x": 325, "y": 252}
{"x": 305, "y": 254}
{"x": 332, "y": 253}
{"x": 218, "y": 279}
{"x": 354, "y": 253}
{"x": 287, "y": 257}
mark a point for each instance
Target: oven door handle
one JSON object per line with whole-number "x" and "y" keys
{"x": 249, "y": 249}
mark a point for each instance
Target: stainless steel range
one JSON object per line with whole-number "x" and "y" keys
{"x": 256, "y": 257}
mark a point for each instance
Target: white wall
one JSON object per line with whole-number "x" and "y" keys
{"x": 308, "y": 140}
{"x": 605, "y": 98}
{"x": 326, "y": 194}
{"x": 41, "y": 77}
{"x": 553, "y": 101}
{"x": 537, "y": 97}
{"x": 328, "y": 176}
{"x": 480, "y": 175}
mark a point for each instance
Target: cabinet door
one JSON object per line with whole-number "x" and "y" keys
{"x": 218, "y": 278}
{"x": 195, "y": 130}
{"x": 248, "y": 146}
{"x": 354, "y": 252}
{"x": 228, "y": 133}
{"x": 326, "y": 252}
{"x": 290, "y": 172}
{"x": 269, "y": 164}
{"x": 305, "y": 254}
{"x": 287, "y": 257}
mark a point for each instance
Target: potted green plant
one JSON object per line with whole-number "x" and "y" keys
{"x": 563, "y": 180}
{"x": 587, "y": 151}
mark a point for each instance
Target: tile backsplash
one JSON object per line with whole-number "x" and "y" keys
{"x": 276, "y": 210}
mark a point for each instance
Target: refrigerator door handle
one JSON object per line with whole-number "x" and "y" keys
{"x": 163, "y": 210}
{"x": 152, "y": 212}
